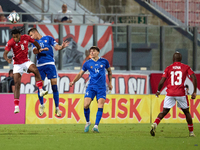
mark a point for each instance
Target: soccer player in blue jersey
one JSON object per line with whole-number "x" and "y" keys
{"x": 97, "y": 67}
{"x": 46, "y": 64}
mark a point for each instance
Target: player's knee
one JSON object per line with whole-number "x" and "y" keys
{"x": 86, "y": 106}
{"x": 54, "y": 88}
{"x": 17, "y": 84}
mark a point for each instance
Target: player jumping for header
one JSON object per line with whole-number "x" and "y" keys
{"x": 19, "y": 44}
{"x": 46, "y": 64}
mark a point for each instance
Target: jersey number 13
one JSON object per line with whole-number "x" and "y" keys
{"x": 178, "y": 75}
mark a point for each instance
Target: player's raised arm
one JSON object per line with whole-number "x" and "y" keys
{"x": 60, "y": 47}
{"x": 194, "y": 80}
{"x": 110, "y": 78}
{"x": 77, "y": 77}
{"x": 5, "y": 56}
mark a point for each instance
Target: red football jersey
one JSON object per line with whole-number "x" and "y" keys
{"x": 176, "y": 74}
{"x": 20, "y": 49}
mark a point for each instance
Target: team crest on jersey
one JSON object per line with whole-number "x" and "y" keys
{"x": 45, "y": 41}
{"x": 91, "y": 67}
{"x": 24, "y": 41}
{"x": 101, "y": 66}
{"x": 16, "y": 44}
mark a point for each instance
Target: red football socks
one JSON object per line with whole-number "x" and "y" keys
{"x": 16, "y": 102}
{"x": 157, "y": 121}
{"x": 190, "y": 127}
{"x": 39, "y": 84}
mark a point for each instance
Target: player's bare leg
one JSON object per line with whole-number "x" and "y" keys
{"x": 56, "y": 96}
{"x": 17, "y": 80}
{"x": 189, "y": 121}
{"x": 32, "y": 68}
{"x": 101, "y": 102}
{"x": 157, "y": 121}
{"x": 87, "y": 102}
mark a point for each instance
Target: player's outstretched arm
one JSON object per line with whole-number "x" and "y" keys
{"x": 110, "y": 78}
{"x": 194, "y": 80}
{"x": 160, "y": 85}
{"x": 64, "y": 44}
{"x": 5, "y": 56}
{"x": 77, "y": 77}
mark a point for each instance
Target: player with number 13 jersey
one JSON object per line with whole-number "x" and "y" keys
{"x": 176, "y": 75}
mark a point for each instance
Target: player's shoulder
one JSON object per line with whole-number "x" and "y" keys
{"x": 47, "y": 37}
{"x": 89, "y": 61}
{"x": 103, "y": 59}
{"x": 25, "y": 36}
{"x": 10, "y": 42}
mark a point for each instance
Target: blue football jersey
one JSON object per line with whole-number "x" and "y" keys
{"x": 46, "y": 57}
{"x": 97, "y": 70}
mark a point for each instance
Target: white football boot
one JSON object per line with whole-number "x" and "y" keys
{"x": 16, "y": 109}
{"x": 43, "y": 92}
{"x": 41, "y": 110}
{"x": 153, "y": 129}
{"x": 58, "y": 113}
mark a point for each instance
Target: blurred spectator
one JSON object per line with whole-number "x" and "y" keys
{"x": 10, "y": 80}
{"x": 2, "y": 17}
{"x": 87, "y": 56}
{"x": 63, "y": 15}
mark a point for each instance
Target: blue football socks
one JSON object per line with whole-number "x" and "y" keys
{"x": 99, "y": 115}
{"x": 87, "y": 114}
{"x": 55, "y": 95}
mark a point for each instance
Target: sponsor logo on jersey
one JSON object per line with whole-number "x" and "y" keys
{"x": 96, "y": 64}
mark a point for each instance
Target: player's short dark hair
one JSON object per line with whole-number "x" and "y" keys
{"x": 186, "y": 86}
{"x": 17, "y": 30}
{"x": 31, "y": 30}
{"x": 10, "y": 71}
{"x": 95, "y": 47}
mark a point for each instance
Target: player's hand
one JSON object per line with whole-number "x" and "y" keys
{"x": 110, "y": 86}
{"x": 71, "y": 84}
{"x": 43, "y": 49}
{"x": 157, "y": 94}
{"x": 65, "y": 44}
{"x": 9, "y": 61}
{"x": 193, "y": 96}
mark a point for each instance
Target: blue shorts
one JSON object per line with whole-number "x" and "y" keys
{"x": 91, "y": 92}
{"x": 49, "y": 71}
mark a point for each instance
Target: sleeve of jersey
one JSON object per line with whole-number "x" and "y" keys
{"x": 84, "y": 68}
{"x": 107, "y": 64}
{"x": 52, "y": 41}
{"x": 30, "y": 39}
{"x": 8, "y": 46}
{"x": 190, "y": 71}
{"x": 165, "y": 73}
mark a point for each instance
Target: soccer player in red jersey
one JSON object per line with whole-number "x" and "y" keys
{"x": 19, "y": 45}
{"x": 176, "y": 74}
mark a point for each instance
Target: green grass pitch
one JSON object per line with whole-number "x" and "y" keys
{"x": 111, "y": 137}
